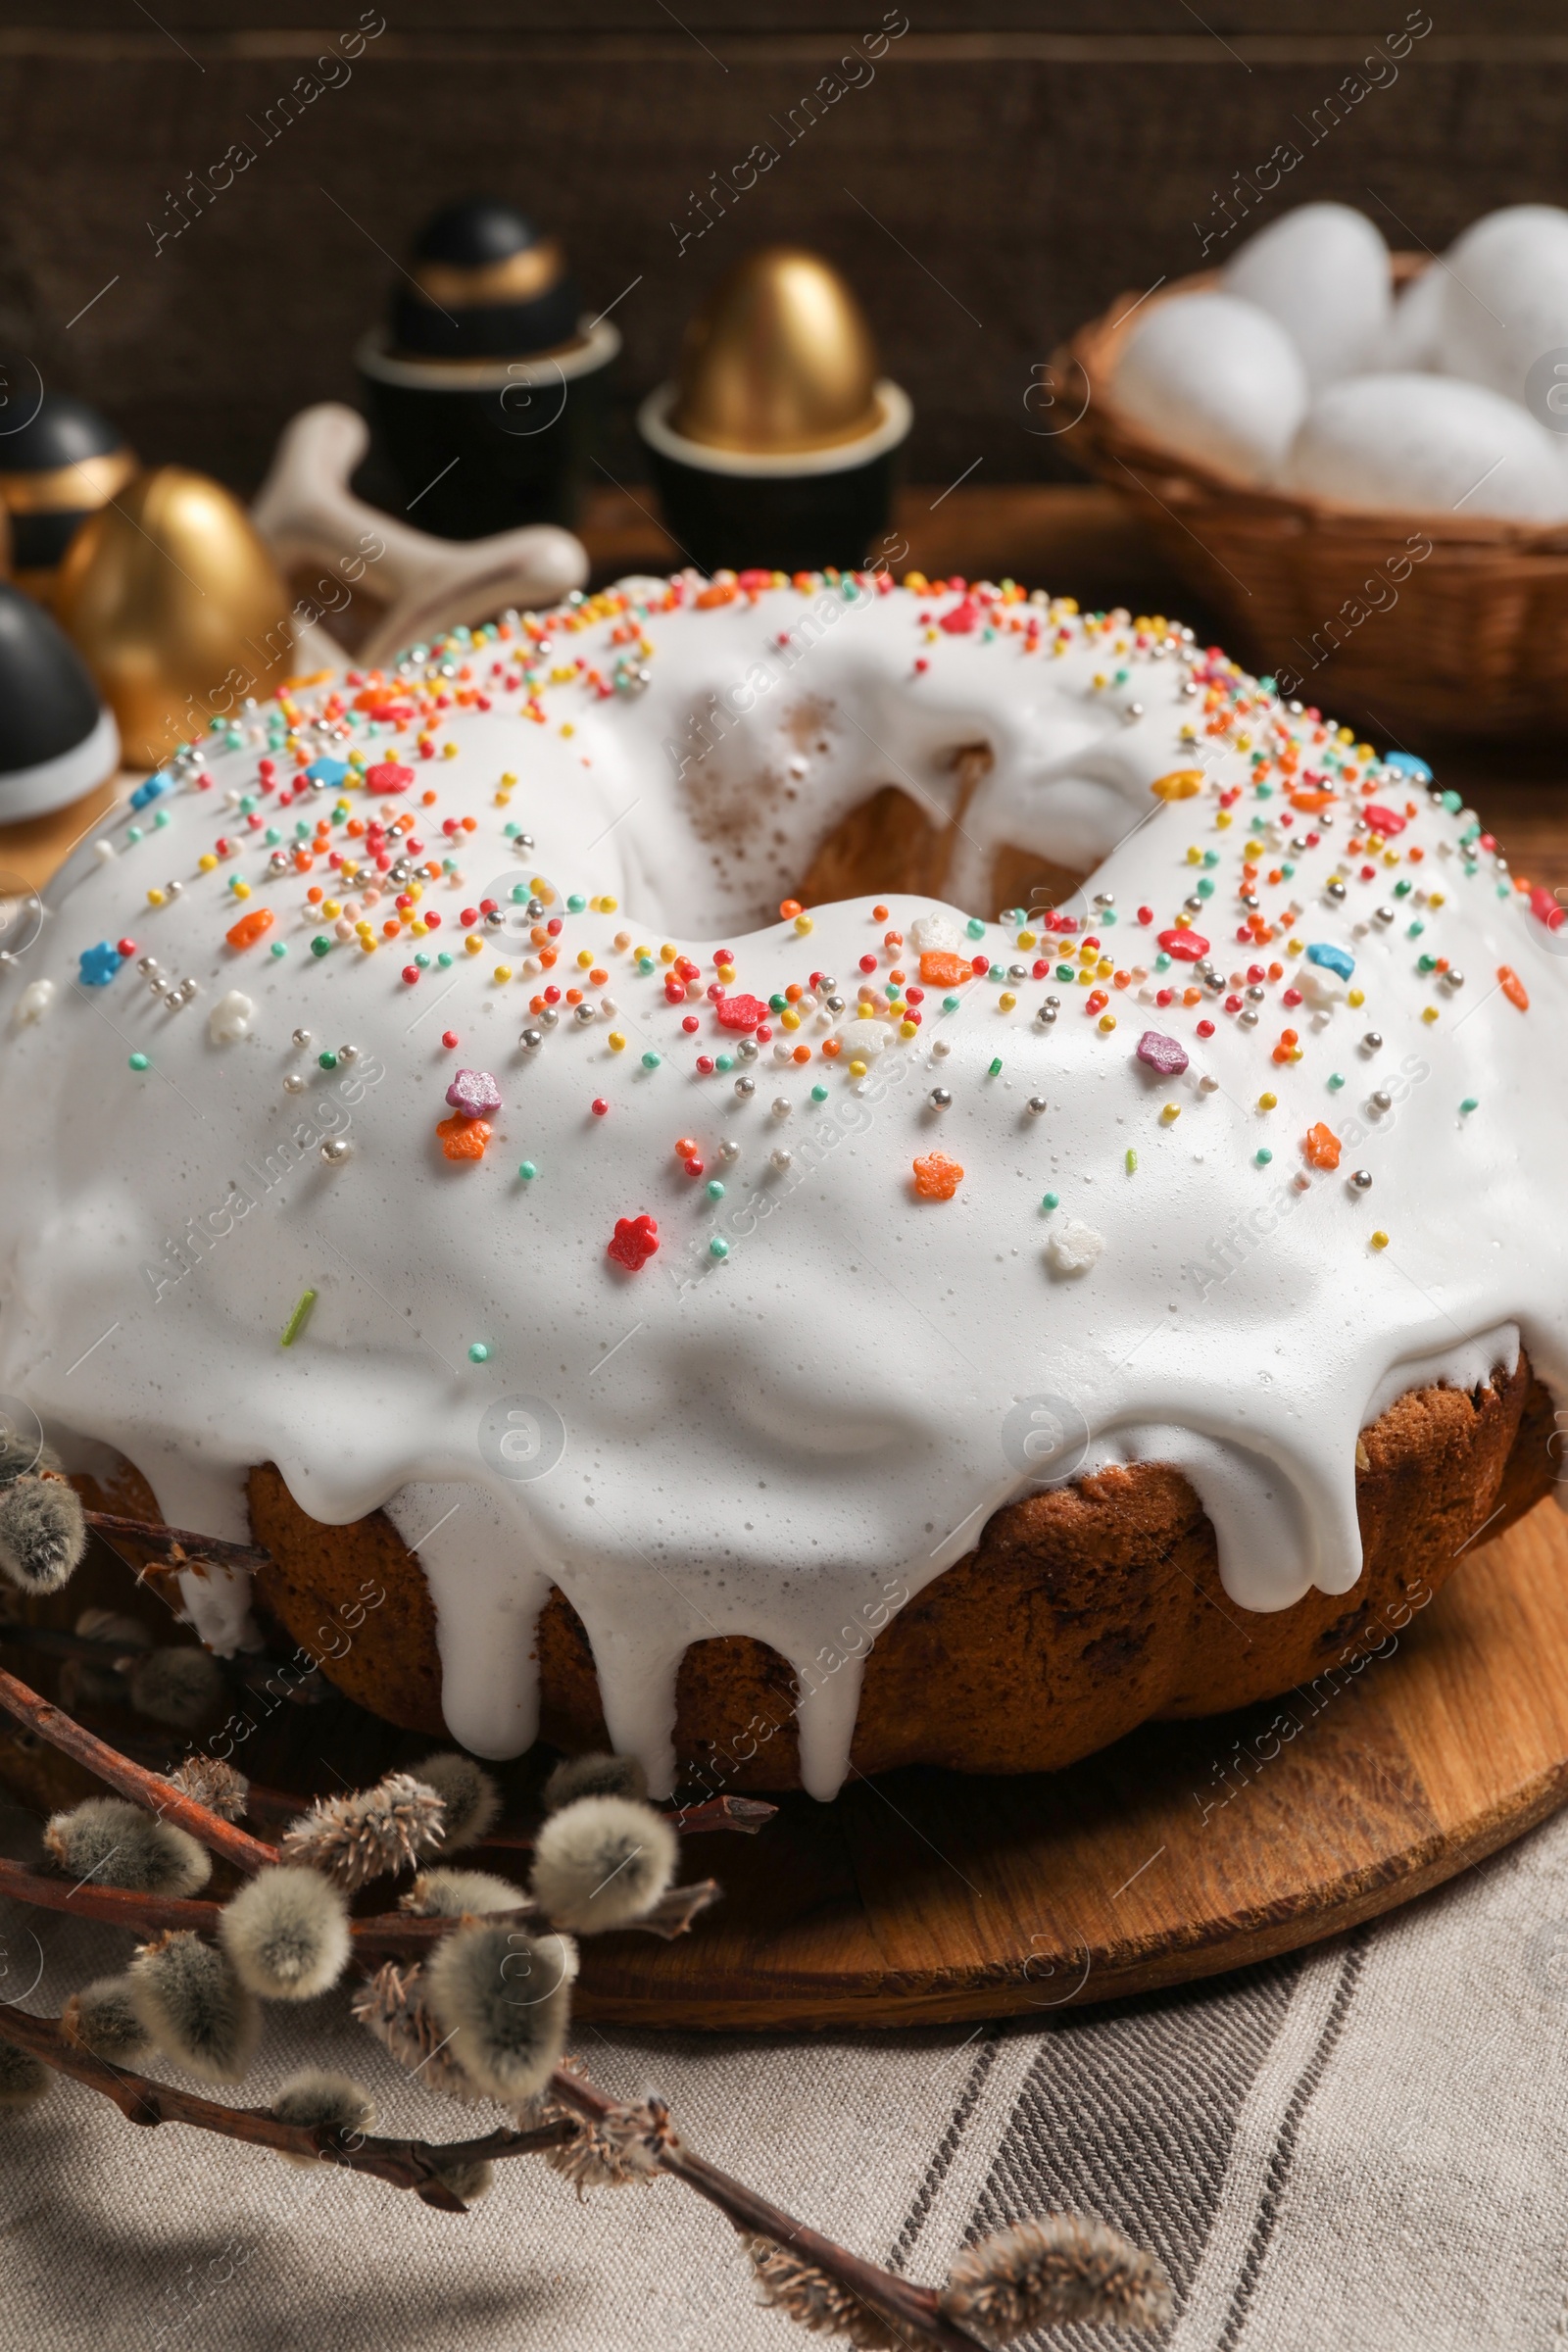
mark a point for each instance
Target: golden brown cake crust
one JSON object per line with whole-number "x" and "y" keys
{"x": 1082, "y": 1612}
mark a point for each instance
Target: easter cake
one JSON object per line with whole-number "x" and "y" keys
{"x": 797, "y": 1175}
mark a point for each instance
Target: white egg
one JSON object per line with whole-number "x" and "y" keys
{"x": 1415, "y": 328}
{"x": 1323, "y": 272}
{"x": 1427, "y": 445}
{"x": 1217, "y": 381}
{"x": 1505, "y": 297}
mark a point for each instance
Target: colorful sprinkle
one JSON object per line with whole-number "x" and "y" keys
{"x": 1187, "y": 946}
{"x": 936, "y": 1176}
{"x": 99, "y": 965}
{"x": 473, "y": 1094}
{"x": 298, "y": 1319}
{"x": 1166, "y": 1054}
{"x": 250, "y": 927}
{"x": 633, "y": 1241}
{"x": 463, "y": 1137}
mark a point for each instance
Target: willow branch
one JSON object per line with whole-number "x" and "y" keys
{"x": 416, "y": 2164}
{"x": 149, "y": 1789}
{"x": 905, "y": 2304}
{"x": 380, "y": 1936}
{"x": 143, "y": 1914}
{"x": 180, "y": 1541}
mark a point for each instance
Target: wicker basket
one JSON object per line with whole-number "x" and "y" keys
{"x": 1344, "y": 608}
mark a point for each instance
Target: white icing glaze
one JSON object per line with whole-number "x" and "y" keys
{"x": 774, "y": 1443}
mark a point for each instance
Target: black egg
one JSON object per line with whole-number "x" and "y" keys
{"x": 55, "y": 470}
{"x": 487, "y": 284}
{"x": 57, "y": 741}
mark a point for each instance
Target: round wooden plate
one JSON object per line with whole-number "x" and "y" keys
{"x": 925, "y": 1896}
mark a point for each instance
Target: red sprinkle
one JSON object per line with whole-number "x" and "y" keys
{"x": 449, "y": 1037}
{"x": 633, "y": 1241}
{"x": 1386, "y": 821}
{"x": 742, "y": 1013}
{"x": 599, "y": 1107}
{"x": 1206, "y": 1028}
{"x": 387, "y": 776}
{"x": 1186, "y": 947}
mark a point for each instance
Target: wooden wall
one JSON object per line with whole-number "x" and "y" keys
{"x": 1001, "y": 171}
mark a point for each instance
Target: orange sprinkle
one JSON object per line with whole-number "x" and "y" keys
{"x": 463, "y": 1139}
{"x": 1513, "y": 988}
{"x": 789, "y": 908}
{"x": 1182, "y": 784}
{"x": 937, "y": 1177}
{"x": 250, "y": 927}
{"x": 801, "y": 1053}
{"x": 722, "y": 592}
{"x": 831, "y": 1049}
{"x": 598, "y": 977}
{"x": 879, "y": 914}
{"x": 940, "y": 968}
{"x": 1322, "y": 1147}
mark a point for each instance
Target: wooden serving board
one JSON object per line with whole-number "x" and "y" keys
{"x": 927, "y": 1897}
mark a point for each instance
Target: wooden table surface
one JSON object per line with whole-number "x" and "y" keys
{"x": 1073, "y": 540}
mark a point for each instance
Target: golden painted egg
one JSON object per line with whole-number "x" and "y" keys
{"x": 172, "y": 598}
{"x": 779, "y": 359}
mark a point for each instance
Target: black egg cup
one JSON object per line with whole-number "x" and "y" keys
{"x": 465, "y": 450}
{"x": 799, "y": 522}
{"x": 809, "y": 513}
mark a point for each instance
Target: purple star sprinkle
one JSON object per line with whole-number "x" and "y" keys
{"x": 475, "y": 1094}
{"x": 1162, "y": 1054}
